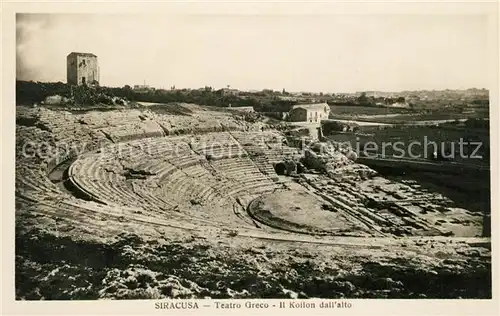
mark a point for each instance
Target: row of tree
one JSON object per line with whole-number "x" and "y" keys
{"x": 29, "y": 92}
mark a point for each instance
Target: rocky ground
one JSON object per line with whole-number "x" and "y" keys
{"x": 52, "y": 268}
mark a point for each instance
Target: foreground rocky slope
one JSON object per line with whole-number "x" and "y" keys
{"x": 50, "y": 267}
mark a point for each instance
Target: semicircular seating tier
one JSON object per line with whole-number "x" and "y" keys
{"x": 195, "y": 177}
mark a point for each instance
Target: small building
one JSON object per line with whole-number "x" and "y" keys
{"x": 82, "y": 69}
{"x": 143, "y": 88}
{"x": 229, "y": 92}
{"x": 312, "y": 113}
{"x": 287, "y": 98}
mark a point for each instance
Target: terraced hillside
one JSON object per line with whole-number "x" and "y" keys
{"x": 139, "y": 204}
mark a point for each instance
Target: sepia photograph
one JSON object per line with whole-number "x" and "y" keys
{"x": 312, "y": 159}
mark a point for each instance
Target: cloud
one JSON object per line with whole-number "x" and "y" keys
{"x": 27, "y": 26}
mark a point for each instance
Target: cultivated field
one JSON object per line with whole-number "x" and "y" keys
{"x": 394, "y": 115}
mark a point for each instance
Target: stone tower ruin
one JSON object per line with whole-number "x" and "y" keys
{"x": 82, "y": 69}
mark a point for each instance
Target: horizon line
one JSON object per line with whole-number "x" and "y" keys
{"x": 288, "y": 91}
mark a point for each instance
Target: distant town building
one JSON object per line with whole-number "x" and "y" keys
{"x": 228, "y": 92}
{"x": 309, "y": 112}
{"x": 82, "y": 69}
{"x": 143, "y": 88}
{"x": 400, "y": 105}
{"x": 287, "y": 98}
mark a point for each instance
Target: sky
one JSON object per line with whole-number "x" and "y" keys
{"x": 329, "y": 53}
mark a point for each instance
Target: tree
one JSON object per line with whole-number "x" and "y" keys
{"x": 362, "y": 99}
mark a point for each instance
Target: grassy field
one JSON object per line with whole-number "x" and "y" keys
{"x": 402, "y": 115}
{"x": 416, "y": 138}
{"x": 444, "y": 138}
{"x": 366, "y": 110}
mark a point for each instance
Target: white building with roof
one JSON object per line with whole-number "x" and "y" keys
{"x": 312, "y": 113}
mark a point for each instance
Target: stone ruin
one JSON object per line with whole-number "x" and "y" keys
{"x": 288, "y": 167}
{"x": 325, "y": 157}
